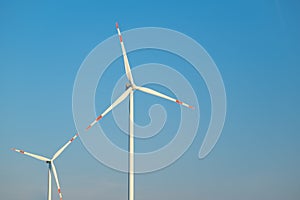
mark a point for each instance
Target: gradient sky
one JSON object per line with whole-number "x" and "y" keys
{"x": 255, "y": 45}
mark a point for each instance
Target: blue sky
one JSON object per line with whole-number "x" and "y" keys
{"x": 255, "y": 45}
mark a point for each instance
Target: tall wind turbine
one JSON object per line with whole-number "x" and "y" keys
{"x": 51, "y": 166}
{"x": 130, "y": 88}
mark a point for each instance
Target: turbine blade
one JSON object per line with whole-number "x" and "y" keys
{"x": 117, "y": 102}
{"x": 56, "y": 180}
{"x": 155, "y": 93}
{"x": 126, "y": 62}
{"x": 64, "y": 147}
{"x": 31, "y": 155}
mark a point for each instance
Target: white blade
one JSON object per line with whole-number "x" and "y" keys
{"x": 117, "y": 102}
{"x": 56, "y": 180}
{"x": 126, "y": 62}
{"x": 30, "y": 154}
{"x": 63, "y": 147}
{"x": 155, "y": 93}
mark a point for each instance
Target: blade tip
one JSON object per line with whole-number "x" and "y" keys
{"x": 192, "y": 107}
{"x": 117, "y": 25}
{"x": 13, "y": 149}
{"x": 87, "y": 128}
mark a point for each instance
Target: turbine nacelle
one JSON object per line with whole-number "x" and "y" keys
{"x": 128, "y": 85}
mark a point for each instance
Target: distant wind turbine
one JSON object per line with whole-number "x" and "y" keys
{"x": 51, "y": 166}
{"x": 130, "y": 88}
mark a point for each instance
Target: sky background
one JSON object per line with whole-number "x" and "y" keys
{"x": 255, "y": 45}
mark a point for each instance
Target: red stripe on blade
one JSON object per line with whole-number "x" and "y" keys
{"x": 98, "y": 118}
{"x": 179, "y": 102}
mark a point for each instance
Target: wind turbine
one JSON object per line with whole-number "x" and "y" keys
{"x": 51, "y": 166}
{"x": 130, "y": 88}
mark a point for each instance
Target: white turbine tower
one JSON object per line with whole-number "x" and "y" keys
{"x": 130, "y": 88}
{"x": 51, "y": 166}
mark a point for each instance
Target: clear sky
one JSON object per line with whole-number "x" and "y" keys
{"x": 255, "y": 45}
